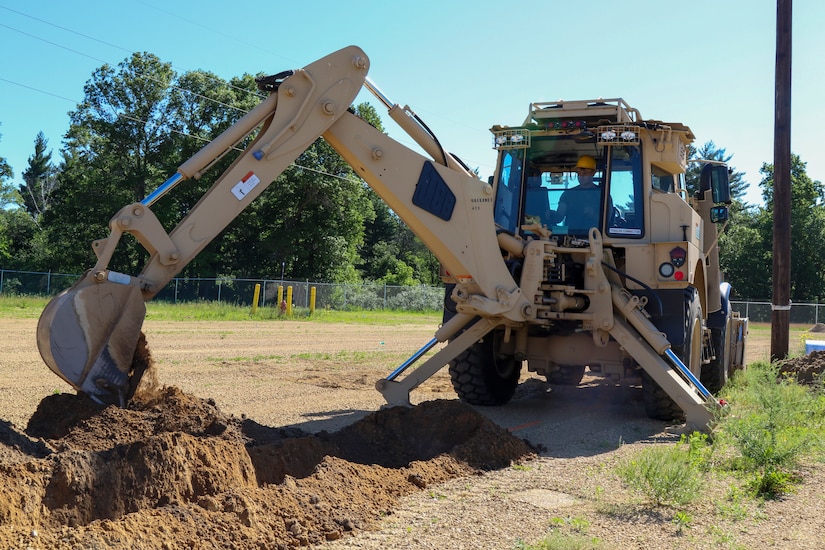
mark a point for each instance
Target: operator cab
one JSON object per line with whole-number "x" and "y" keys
{"x": 535, "y": 181}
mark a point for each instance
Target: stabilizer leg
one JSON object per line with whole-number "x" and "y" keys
{"x": 698, "y": 410}
{"x": 397, "y": 393}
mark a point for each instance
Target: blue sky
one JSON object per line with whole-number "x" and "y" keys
{"x": 461, "y": 65}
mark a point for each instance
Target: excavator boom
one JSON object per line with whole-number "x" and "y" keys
{"x": 88, "y": 334}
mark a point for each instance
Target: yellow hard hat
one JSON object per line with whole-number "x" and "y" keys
{"x": 586, "y": 161}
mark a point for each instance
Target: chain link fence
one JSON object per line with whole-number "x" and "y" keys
{"x": 241, "y": 291}
{"x": 800, "y": 314}
{"x": 328, "y": 295}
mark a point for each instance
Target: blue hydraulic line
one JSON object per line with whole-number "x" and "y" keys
{"x": 164, "y": 188}
{"x": 689, "y": 375}
{"x": 415, "y": 357}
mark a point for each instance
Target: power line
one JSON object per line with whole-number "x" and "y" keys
{"x": 206, "y": 140}
{"x": 173, "y": 86}
{"x": 122, "y": 115}
{"x": 232, "y": 36}
{"x": 92, "y": 38}
{"x": 121, "y": 48}
{"x": 36, "y": 89}
{"x": 53, "y": 43}
{"x": 141, "y": 121}
{"x": 64, "y": 29}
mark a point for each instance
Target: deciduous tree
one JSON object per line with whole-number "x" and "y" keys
{"x": 807, "y": 229}
{"x": 113, "y": 155}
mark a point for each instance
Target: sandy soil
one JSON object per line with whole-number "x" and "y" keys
{"x": 271, "y": 435}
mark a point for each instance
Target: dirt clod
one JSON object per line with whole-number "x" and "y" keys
{"x": 172, "y": 470}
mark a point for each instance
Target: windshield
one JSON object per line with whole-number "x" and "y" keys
{"x": 541, "y": 185}
{"x": 564, "y": 203}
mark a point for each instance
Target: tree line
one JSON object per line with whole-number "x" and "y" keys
{"x": 137, "y": 123}
{"x": 141, "y": 119}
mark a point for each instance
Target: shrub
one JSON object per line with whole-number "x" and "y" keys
{"x": 773, "y": 424}
{"x": 12, "y": 286}
{"x": 666, "y": 474}
{"x": 417, "y": 298}
{"x": 355, "y": 297}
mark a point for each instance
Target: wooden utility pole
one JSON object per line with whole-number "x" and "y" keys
{"x": 781, "y": 302}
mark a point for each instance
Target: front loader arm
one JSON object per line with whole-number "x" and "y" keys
{"x": 88, "y": 334}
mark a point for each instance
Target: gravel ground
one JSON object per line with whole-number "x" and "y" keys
{"x": 319, "y": 379}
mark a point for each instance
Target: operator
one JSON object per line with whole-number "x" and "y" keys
{"x": 579, "y": 206}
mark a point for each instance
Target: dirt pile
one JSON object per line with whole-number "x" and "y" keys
{"x": 807, "y": 369}
{"x": 173, "y": 471}
{"x": 819, "y": 327}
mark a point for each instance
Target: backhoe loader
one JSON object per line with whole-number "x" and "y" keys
{"x": 631, "y": 291}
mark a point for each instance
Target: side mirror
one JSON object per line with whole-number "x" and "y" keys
{"x": 719, "y": 214}
{"x": 715, "y": 178}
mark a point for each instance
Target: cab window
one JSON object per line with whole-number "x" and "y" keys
{"x": 508, "y": 192}
{"x": 661, "y": 180}
{"x": 625, "y": 215}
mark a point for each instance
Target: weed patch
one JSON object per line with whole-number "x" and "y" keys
{"x": 665, "y": 474}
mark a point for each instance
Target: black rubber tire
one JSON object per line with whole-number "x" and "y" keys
{"x": 657, "y": 402}
{"x": 715, "y": 374}
{"x": 481, "y": 376}
{"x": 567, "y": 375}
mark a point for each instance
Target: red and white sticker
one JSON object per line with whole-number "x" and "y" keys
{"x": 247, "y": 184}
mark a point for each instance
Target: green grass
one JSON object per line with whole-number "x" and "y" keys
{"x": 771, "y": 426}
{"x": 565, "y": 534}
{"x": 757, "y": 450}
{"x": 563, "y": 541}
{"x": 30, "y": 307}
{"x": 21, "y": 307}
{"x": 666, "y": 474}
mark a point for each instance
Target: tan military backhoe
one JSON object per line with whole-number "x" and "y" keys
{"x": 636, "y": 292}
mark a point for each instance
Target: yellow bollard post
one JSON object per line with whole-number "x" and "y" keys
{"x": 255, "y": 297}
{"x": 289, "y": 301}
{"x": 311, "y": 300}
{"x": 281, "y": 303}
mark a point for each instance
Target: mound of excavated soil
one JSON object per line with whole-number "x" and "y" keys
{"x": 173, "y": 471}
{"x": 806, "y": 369}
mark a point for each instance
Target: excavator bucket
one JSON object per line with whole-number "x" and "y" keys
{"x": 88, "y": 336}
